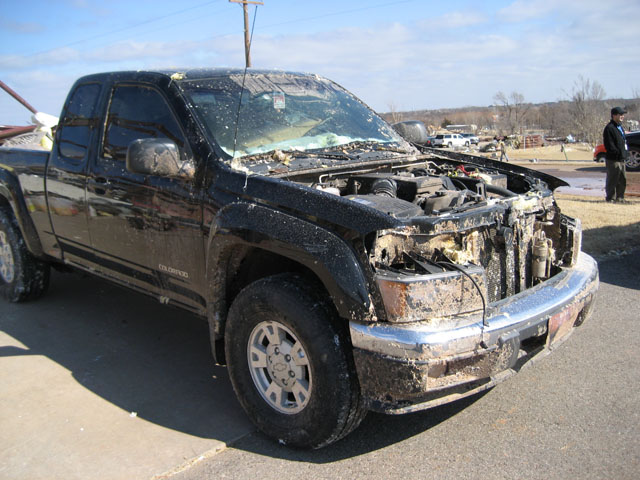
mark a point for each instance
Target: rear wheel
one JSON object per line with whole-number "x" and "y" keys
{"x": 22, "y": 276}
{"x": 633, "y": 160}
{"x": 290, "y": 364}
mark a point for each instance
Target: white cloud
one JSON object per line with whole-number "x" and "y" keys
{"x": 55, "y": 57}
{"x": 21, "y": 27}
{"x": 522, "y": 10}
{"x": 146, "y": 51}
{"x": 459, "y": 20}
{"x": 460, "y": 58}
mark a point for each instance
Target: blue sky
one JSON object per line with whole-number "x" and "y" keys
{"x": 410, "y": 54}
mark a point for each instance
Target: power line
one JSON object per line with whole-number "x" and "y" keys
{"x": 298, "y": 20}
{"x": 342, "y": 12}
{"x": 123, "y": 29}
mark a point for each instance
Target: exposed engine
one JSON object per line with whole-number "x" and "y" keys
{"x": 429, "y": 188}
{"x": 515, "y": 236}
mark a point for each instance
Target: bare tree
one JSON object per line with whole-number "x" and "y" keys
{"x": 513, "y": 111}
{"x": 393, "y": 112}
{"x": 555, "y": 119}
{"x": 588, "y": 111}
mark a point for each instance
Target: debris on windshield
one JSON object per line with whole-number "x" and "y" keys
{"x": 282, "y": 157}
{"x": 303, "y": 115}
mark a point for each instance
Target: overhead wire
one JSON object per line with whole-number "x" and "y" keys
{"x": 123, "y": 29}
{"x": 178, "y": 12}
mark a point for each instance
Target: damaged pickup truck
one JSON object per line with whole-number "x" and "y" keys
{"x": 341, "y": 269}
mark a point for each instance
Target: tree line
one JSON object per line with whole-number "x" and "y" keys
{"x": 583, "y": 114}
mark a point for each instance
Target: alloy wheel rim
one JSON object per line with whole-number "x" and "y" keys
{"x": 279, "y": 367}
{"x": 7, "y": 269}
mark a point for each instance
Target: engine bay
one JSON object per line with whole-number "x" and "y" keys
{"x": 428, "y": 188}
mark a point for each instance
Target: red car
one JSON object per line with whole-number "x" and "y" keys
{"x": 599, "y": 153}
{"x": 633, "y": 161}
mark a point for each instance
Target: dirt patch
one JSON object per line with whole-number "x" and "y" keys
{"x": 608, "y": 228}
{"x": 572, "y": 152}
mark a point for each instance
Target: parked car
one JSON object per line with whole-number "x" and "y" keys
{"x": 599, "y": 153}
{"x": 633, "y": 161}
{"x": 472, "y": 137}
{"x": 450, "y": 140}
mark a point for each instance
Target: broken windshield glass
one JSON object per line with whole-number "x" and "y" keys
{"x": 285, "y": 112}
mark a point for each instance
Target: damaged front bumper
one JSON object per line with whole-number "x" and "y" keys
{"x": 409, "y": 367}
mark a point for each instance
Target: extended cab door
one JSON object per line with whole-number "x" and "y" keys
{"x": 145, "y": 229}
{"x": 66, "y": 176}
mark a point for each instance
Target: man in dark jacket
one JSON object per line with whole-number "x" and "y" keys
{"x": 615, "y": 143}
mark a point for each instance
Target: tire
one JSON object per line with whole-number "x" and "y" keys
{"x": 22, "y": 276}
{"x": 466, "y": 144}
{"x": 450, "y": 145}
{"x": 601, "y": 158}
{"x": 290, "y": 363}
{"x": 633, "y": 161}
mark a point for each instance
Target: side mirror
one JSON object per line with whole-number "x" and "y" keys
{"x": 158, "y": 156}
{"x": 413, "y": 131}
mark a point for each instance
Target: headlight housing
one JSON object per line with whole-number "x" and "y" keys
{"x": 443, "y": 300}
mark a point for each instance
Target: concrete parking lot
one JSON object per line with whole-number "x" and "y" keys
{"x": 100, "y": 383}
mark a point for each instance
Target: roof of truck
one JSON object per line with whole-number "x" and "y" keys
{"x": 180, "y": 74}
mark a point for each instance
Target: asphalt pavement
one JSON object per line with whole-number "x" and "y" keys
{"x": 572, "y": 415}
{"x": 101, "y": 383}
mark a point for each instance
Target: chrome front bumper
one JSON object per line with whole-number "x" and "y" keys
{"x": 407, "y": 367}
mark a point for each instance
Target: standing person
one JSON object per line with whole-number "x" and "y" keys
{"x": 503, "y": 150}
{"x": 615, "y": 144}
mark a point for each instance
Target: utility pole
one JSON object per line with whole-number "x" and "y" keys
{"x": 247, "y": 46}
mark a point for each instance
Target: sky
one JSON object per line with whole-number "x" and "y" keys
{"x": 394, "y": 55}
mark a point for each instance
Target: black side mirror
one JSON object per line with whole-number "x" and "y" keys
{"x": 158, "y": 156}
{"x": 412, "y": 131}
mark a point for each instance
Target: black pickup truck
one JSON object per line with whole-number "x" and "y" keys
{"x": 341, "y": 268}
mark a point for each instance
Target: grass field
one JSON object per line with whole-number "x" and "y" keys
{"x": 608, "y": 229}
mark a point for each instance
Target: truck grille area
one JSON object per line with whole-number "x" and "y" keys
{"x": 515, "y": 255}
{"x": 506, "y": 257}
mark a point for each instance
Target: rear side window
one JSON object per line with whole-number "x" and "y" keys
{"x": 136, "y": 112}
{"x": 77, "y": 122}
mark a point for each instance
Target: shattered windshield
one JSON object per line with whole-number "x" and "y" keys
{"x": 285, "y": 112}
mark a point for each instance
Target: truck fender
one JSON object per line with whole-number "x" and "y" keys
{"x": 11, "y": 192}
{"x": 242, "y": 225}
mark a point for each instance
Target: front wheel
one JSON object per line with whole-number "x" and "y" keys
{"x": 633, "y": 160}
{"x": 22, "y": 276}
{"x": 290, "y": 364}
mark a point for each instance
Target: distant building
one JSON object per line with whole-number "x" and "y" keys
{"x": 462, "y": 128}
